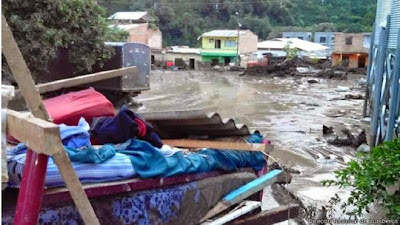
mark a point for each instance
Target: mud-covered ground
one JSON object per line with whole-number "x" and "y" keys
{"x": 289, "y": 111}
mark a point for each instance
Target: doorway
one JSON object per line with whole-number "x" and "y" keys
{"x": 361, "y": 61}
{"x": 345, "y": 61}
{"x": 152, "y": 59}
{"x": 191, "y": 64}
{"x": 217, "y": 43}
{"x": 227, "y": 60}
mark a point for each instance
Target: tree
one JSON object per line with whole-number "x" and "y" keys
{"x": 371, "y": 177}
{"x": 42, "y": 27}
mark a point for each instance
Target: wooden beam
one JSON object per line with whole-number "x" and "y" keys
{"x": 34, "y": 102}
{"x": 86, "y": 79}
{"x": 247, "y": 207}
{"x": 272, "y": 216}
{"x": 223, "y": 145}
{"x": 242, "y": 193}
{"x": 39, "y": 135}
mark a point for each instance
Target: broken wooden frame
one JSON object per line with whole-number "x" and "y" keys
{"x": 187, "y": 143}
{"x": 42, "y": 137}
{"x": 242, "y": 193}
{"x": 273, "y": 216}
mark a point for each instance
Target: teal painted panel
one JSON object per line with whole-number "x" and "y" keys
{"x": 255, "y": 184}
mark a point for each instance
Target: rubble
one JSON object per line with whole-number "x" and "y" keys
{"x": 287, "y": 169}
{"x": 350, "y": 139}
{"x": 298, "y": 67}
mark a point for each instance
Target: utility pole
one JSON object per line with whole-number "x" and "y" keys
{"x": 238, "y": 38}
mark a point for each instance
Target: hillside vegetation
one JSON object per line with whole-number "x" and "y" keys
{"x": 182, "y": 21}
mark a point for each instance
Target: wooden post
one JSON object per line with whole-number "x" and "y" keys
{"x": 32, "y": 97}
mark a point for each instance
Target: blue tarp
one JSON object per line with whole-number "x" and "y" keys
{"x": 150, "y": 162}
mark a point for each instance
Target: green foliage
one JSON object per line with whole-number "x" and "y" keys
{"x": 370, "y": 176}
{"x": 291, "y": 53}
{"x": 42, "y": 27}
{"x": 314, "y": 61}
{"x": 116, "y": 35}
{"x": 183, "y": 21}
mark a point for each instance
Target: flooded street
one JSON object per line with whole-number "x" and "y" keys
{"x": 288, "y": 111}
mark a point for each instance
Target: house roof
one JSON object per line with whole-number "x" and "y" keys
{"x": 126, "y": 27}
{"x": 224, "y": 33}
{"x": 186, "y": 123}
{"x": 183, "y": 49}
{"x": 280, "y": 43}
{"x": 271, "y": 44}
{"x": 131, "y": 16}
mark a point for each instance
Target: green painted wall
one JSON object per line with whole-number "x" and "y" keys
{"x": 220, "y": 59}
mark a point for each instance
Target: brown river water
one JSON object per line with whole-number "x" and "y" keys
{"x": 288, "y": 111}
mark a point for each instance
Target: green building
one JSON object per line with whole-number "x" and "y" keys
{"x": 221, "y": 46}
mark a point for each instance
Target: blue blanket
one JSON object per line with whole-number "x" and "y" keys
{"x": 148, "y": 161}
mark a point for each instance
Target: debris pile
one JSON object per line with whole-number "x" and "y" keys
{"x": 295, "y": 67}
{"x": 349, "y": 139}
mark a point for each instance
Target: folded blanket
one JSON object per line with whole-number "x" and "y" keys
{"x": 124, "y": 126}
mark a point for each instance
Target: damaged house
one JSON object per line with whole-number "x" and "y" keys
{"x": 140, "y": 26}
{"x": 351, "y": 49}
{"x": 221, "y": 46}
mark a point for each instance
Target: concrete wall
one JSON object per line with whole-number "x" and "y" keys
{"x": 139, "y": 34}
{"x": 329, "y": 36}
{"x": 305, "y": 35}
{"x": 209, "y": 43}
{"x": 248, "y": 43}
{"x": 171, "y": 56}
{"x": 142, "y": 34}
{"x": 155, "y": 38}
{"x": 357, "y": 45}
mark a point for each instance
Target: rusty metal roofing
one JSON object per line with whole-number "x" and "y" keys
{"x": 194, "y": 123}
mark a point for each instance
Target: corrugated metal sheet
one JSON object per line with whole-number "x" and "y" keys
{"x": 224, "y": 33}
{"x": 383, "y": 9}
{"x": 127, "y": 16}
{"x": 184, "y": 124}
{"x": 394, "y": 24}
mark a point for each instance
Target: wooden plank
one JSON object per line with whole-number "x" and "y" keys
{"x": 243, "y": 192}
{"x": 21, "y": 73}
{"x": 39, "y": 135}
{"x": 223, "y": 145}
{"x": 272, "y": 216}
{"x": 86, "y": 79}
{"x": 247, "y": 207}
{"x": 34, "y": 102}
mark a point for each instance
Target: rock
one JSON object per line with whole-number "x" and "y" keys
{"x": 350, "y": 140}
{"x": 364, "y": 148}
{"x": 342, "y": 89}
{"x": 327, "y": 130}
{"x": 312, "y": 81}
{"x": 216, "y": 68}
{"x": 275, "y": 165}
{"x": 366, "y": 120}
{"x": 354, "y": 96}
{"x": 320, "y": 216}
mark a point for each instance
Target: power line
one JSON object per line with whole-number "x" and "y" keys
{"x": 191, "y": 3}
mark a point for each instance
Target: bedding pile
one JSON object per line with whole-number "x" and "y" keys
{"x": 130, "y": 148}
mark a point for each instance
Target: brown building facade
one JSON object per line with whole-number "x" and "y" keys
{"x": 140, "y": 27}
{"x": 351, "y": 49}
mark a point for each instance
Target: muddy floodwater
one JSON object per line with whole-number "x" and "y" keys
{"x": 288, "y": 111}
